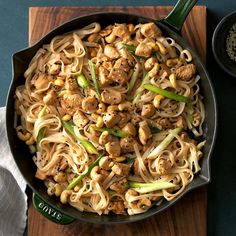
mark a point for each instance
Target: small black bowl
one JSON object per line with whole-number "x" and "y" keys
{"x": 219, "y": 44}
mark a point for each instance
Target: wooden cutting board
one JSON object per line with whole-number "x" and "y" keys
{"x": 188, "y": 216}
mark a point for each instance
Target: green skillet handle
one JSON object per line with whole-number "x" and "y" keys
{"x": 49, "y": 212}
{"x": 177, "y": 16}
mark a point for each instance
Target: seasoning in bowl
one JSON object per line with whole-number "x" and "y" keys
{"x": 231, "y": 43}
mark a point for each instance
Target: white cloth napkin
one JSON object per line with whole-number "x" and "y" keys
{"x": 13, "y": 200}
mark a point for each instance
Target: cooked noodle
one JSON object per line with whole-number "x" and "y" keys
{"x": 94, "y": 81}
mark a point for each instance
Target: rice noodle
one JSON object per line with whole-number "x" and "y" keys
{"x": 92, "y": 81}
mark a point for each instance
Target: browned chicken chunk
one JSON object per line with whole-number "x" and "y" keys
{"x": 111, "y": 97}
{"x": 71, "y": 103}
{"x": 150, "y": 30}
{"x": 143, "y": 50}
{"x": 71, "y": 84}
{"x": 111, "y": 119}
{"x": 118, "y": 76}
{"x": 164, "y": 123}
{"x": 121, "y": 31}
{"x": 124, "y": 119}
{"x": 111, "y": 52}
{"x": 42, "y": 82}
{"x": 130, "y": 128}
{"x": 164, "y": 166}
{"x": 148, "y": 110}
{"x": 89, "y": 104}
{"x": 144, "y": 132}
{"x": 186, "y": 72}
{"x": 103, "y": 76}
{"x": 127, "y": 144}
{"x": 119, "y": 186}
{"x": 80, "y": 119}
{"x": 113, "y": 148}
{"x": 122, "y": 64}
{"x": 117, "y": 207}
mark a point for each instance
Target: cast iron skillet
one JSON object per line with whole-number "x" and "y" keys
{"x": 50, "y": 206}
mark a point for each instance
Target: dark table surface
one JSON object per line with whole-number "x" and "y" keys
{"x": 221, "y": 191}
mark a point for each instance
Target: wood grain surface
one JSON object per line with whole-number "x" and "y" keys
{"x": 188, "y": 216}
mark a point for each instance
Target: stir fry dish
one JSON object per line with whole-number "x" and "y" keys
{"x": 113, "y": 117}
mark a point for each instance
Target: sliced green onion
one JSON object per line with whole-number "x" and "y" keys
{"x": 133, "y": 78}
{"x": 94, "y": 78}
{"x": 130, "y": 48}
{"x": 166, "y": 93}
{"x": 85, "y": 143}
{"x": 165, "y": 142}
{"x": 82, "y": 81}
{"x": 154, "y": 129}
{"x": 150, "y": 187}
{"x": 42, "y": 112}
{"x": 40, "y": 135}
{"x": 190, "y": 112}
{"x": 41, "y": 132}
{"x": 110, "y": 192}
{"x": 117, "y": 133}
{"x": 78, "y": 180}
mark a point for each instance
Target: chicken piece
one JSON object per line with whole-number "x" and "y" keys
{"x": 119, "y": 186}
{"x": 121, "y": 169}
{"x": 143, "y": 50}
{"x": 43, "y": 82}
{"x": 50, "y": 98}
{"x": 144, "y": 132}
{"x": 71, "y": 84}
{"x": 118, "y": 76}
{"x": 113, "y": 148}
{"x": 148, "y": 110}
{"x": 111, "y": 97}
{"x": 54, "y": 69}
{"x": 122, "y": 64}
{"x": 111, "y": 52}
{"x": 103, "y": 76}
{"x": 164, "y": 165}
{"x": 136, "y": 168}
{"x": 89, "y": 104}
{"x": 130, "y": 128}
{"x": 111, "y": 119}
{"x": 80, "y": 119}
{"x": 121, "y": 31}
{"x": 181, "y": 122}
{"x": 125, "y": 54}
{"x": 164, "y": 123}
{"x": 127, "y": 144}
{"x": 104, "y": 174}
{"x": 186, "y": 72}
{"x": 124, "y": 119}
{"x": 150, "y": 30}
{"x": 71, "y": 103}
{"x": 117, "y": 207}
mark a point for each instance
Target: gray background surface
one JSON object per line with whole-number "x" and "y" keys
{"x": 222, "y": 192}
